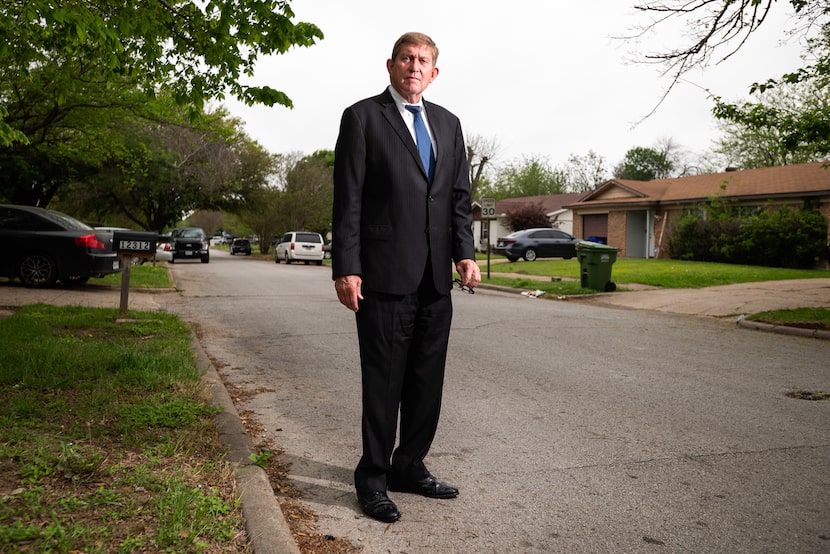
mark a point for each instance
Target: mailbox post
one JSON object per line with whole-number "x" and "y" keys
{"x": 132, "y": 244}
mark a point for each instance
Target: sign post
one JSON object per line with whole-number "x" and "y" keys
{"x": 130, "y": 244}
{"x": 488, "y": 213}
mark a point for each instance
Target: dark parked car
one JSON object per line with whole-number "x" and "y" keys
{"x": 188, "y": 243}
{"x": 537, "y": 243}
{"x": 241, "y": 246}
{"x": 41, "y": 246}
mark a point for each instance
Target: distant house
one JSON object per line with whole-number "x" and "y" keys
{"x": 638, "y": 216}
{"x": 553, "y": 205}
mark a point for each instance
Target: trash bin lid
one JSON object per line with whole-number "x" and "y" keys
{"x": 588, "y": 245}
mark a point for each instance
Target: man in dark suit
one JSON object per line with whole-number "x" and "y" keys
{"x": 402, "y": 215}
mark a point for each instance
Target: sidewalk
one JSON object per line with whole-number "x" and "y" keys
{"x": 724, "y": 301}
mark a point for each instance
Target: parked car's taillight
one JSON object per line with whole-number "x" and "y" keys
{"x": 292, "y": 246}
{"x": 90, "y": 241}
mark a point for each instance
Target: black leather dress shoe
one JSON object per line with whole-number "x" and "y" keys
{"x": 429, "y": 487}
{"x": 377, "y": 505}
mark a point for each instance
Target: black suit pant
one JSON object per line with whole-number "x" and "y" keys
{"x": 403, "y": 349}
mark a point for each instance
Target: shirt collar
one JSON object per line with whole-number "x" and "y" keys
{"x": 400, "y": 101}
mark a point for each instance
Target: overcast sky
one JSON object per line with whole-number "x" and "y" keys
{"x": 543, "y": 78}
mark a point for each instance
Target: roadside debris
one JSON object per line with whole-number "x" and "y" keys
{"x": 533, "y": 293}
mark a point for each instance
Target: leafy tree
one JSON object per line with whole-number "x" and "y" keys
{"x": 532, "y": 176}
{"x": 768, "y": 132}
{"x": 73, "y": 71}
{"x": 262, "y": 215}
{"x": 715, "y": 25}
{"x": 306, "y": 202}
{"x": 643, "y": 164}
{"x": 159, "y": 173}
{"x": 791, "y": 117}
{"x": 585, "y": 173}
{"x": 194, "y": 50}
{"x": 212, "y": 221}
{"x": 527, "y": 216}
{"x": 480, "y": 153}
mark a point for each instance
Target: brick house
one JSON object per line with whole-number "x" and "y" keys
{"x": 553, "y": 205}
{"x": 638, "y": 216}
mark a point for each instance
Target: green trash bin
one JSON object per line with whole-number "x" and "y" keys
{"x": 595, "y": 261}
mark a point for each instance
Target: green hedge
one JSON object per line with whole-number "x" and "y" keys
{"x": 777, "y": 238}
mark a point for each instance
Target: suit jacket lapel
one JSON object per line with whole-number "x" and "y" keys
{"x": 436, "y": 125}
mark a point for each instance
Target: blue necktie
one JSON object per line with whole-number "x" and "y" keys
{"x": 422, "y": 139}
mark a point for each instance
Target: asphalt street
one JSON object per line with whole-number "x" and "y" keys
{"x": 568, "y": 426}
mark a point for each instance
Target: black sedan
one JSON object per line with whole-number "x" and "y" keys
{"x": 41, "y": 246}
{"x": 531, "y": 244}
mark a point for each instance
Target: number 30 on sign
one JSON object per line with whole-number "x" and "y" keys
{"x": 488, "y": 208}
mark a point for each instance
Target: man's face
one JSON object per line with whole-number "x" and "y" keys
{"x": 412, "y": 71}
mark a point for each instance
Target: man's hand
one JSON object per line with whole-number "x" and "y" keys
{"x": 469, "y": 272}
{"x": 348, "y": 291}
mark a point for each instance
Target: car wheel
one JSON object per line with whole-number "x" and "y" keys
{"x": 530, "y": 255}
{"x": 232, "y": 252}
{"x": 38, "y": 270}
{"x": 276, "y": 258}
{"x": 512, "y": 258}
{"x": 318, "y": 262}
{"x": 206, "y": 260}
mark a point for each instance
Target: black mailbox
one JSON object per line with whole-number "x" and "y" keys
{"x": 136, "y": 243}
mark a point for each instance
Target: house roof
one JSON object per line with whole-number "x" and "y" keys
{"x": 801, "y": 180}
{"x": 550, "y": 203}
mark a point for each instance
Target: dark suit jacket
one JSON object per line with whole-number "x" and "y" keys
{"x": 387, "y": 216}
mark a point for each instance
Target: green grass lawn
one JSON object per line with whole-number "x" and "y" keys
{"x": 142, "y": 276}
{"x": 107, "y": 438}
{"x": 661, "y": 273}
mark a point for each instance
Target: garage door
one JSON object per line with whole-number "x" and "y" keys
{"x": 595, "y": 225}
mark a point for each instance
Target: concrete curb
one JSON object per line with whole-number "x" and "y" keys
{"x": 785, "y": 329}
{"x": 268, "y": 532}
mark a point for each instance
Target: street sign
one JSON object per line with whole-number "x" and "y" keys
{"x": 488, "y": 208}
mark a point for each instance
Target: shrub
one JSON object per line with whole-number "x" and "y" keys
{"x": 776, "y": 238}
{"x": 527, "y": 216}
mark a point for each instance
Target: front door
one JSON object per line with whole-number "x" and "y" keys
{"x": 636, "y": 234}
